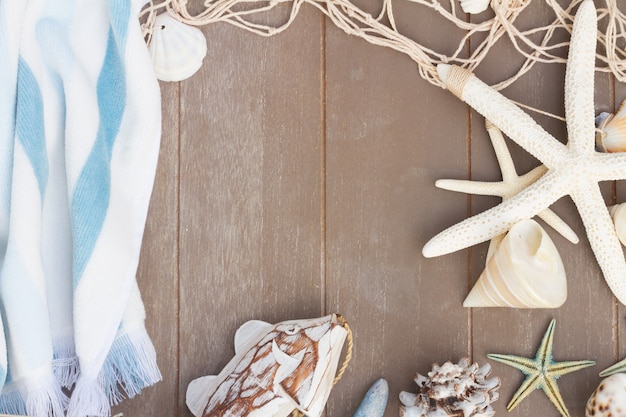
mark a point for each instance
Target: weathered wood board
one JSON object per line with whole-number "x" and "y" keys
{"x": 296, "y": 179}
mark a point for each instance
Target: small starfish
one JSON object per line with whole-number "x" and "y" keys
{"x": 510, "y": 185}
{"x": 541, "y": 372}
{"x": 574, "y": 169}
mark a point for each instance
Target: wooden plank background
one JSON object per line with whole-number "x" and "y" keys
{"x": 296, "y": 178}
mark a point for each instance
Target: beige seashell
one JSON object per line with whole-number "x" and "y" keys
{"x": 618, "y": 214}
{"x": 611, "y": 134}
{"x": 609, "y": 399}
{"x": 526, "y": 271}
{"x": 177, "y": 49}
{"x": 474, "y": 6}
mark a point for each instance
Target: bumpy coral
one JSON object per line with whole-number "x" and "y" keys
{"x": 459, "y": 390}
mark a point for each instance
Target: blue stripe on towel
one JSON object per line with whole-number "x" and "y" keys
{"x": 90, "y": 199}
{"x": 29, "y": 123}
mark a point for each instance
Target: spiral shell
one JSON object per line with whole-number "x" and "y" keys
{"x": 474, "y": 6}
{"x": 177, "y": 49}
{"x": 611, "y": 133}
{"x": 452, "y": 390}
{"x": 526, "y": 271}
{"x": 609, "y": 399}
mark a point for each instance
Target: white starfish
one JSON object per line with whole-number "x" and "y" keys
{"x": 511, "y": 184}
{"x": 573, "y": 169}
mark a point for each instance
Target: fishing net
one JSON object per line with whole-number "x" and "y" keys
{"x": 542, "y": 44}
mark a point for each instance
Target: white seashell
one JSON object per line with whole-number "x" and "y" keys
{"x": 526, "y": 271}
{"x": 452, "y": 390}
{"x": 177, "y": 49}
{"x": 609, "y": 399}
{"x": 611, "y": 136}
{"x": 474, "y": 6}
{"x": 618, "y": 214}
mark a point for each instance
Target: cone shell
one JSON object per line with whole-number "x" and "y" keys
{"x": 177, "y": 49}
{"x": 611, "y": 136}
{"x": 609, "y": 399}
{"x": 526, "y": 271}
{"x": 618, "y": 214}
{"x": 474, "y": 6}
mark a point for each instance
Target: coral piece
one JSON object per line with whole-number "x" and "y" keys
{"x": 574, "y": 169}
{"x": 609, "y": 399}
{"x": 375, "y": 400}
{"x": 452, "y": 390}
{"x": 177, "y": 49}
{"x": 526, "y": 271}
{"x": 541, "y": 372}
{"x": 276, "y": 369}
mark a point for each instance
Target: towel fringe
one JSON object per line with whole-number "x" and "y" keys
{"x": 11, "y": 401}
{"x": 130, "y": 366}
{"x": 44, "y": 396}
{"x": 65, "y": 363}
{"x": 88, "y": 399}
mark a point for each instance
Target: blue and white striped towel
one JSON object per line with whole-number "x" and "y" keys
{"x": 84, "y": 151}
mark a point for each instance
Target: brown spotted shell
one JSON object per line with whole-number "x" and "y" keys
{"x": 609, "y": 399}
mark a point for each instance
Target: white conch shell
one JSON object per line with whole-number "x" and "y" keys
{"x": 618, "y": 214}
{"x": 177, "y": 49}
{"x": 611, "y": 136}
{"x": 526, "y": 271}
{"x": 609, "y": 399}
{"x": 474, "y": 6}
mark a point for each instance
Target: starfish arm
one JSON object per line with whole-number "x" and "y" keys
{"x": 559, "y": 225}
{"x": 606, "y": 246}
{"x": 618, "y": 367}
{"x": 558, "y": 369}
{"x": 514, "y": 122}
{"x": 552, "y": 391}
{"x": 497, "y": 220}
{"x": 473, "y": 187}
{"x": 579, "y": 80}
{"x": 502, "y": 152}
{"x": 544, "y": 353}
{"x": 610, "y": 166}
{"x": 531, "y": 383}
{"x": 527, "y": 366}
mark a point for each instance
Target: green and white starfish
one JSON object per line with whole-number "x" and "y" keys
{"x": 541, "y": 372}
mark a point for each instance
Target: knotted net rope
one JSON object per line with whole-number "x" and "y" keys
{"x": 536, "y": 45}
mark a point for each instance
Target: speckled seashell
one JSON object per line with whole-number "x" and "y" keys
{"x": 609, "y": 399}
{"x": 474, "y": 6}
{"x": 618, "y": 214}
{"x": 177, "y": 49}
{"x": 452, "y": 390}
{"x": 375, "y": 400}
{"x": 526, "y": 271}
{"x": 611, "y": 133}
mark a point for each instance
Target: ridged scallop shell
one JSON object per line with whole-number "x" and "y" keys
{"x": 177, "y": 49}
{"x": 526, "y": 271}
{"x": 611, "y": 136}
{"x": 474, "y": 6}
{"x": 452, "y": 390}
{"x": 609, "y": 399}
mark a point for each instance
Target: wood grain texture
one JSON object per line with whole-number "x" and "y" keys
{"x": 296, "y": 179}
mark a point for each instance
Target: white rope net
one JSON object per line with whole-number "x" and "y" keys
{"x": 539, "y": 44}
